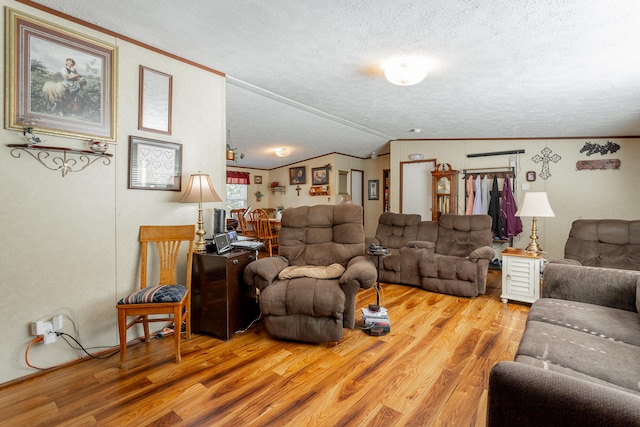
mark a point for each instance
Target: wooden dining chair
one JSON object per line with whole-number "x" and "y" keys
{"x": 265, "y": 233}
{"x": 247, "y": 225}
{"x": 235, "y": 215}
{"x": 165, "y": 298}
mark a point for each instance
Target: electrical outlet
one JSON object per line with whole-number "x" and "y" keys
{"x": 47, "y": 330}
{"x": 49, "y": 336}
{"x": 37, "y": 327}
{"x": 57, "y": 322}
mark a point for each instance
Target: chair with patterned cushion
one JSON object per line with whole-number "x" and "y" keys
{"x": 167, "y": 297}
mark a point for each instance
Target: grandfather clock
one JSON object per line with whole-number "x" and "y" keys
{"x": 444, "y": 190}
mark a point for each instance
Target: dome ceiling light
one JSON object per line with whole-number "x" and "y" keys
{"x": 405, "y": 70}
{"x": 282, "y": 151}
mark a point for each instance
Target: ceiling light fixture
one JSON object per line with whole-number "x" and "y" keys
{"x": 282, "y": 151}
{"x": 405, "y": 71}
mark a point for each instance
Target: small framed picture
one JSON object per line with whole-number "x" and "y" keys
{"x": 154, "y": 165}
{"x": 298, "y": 175}
{"x": 257, "y": 179}
{"x": 531, "y": 176}
{"x": 372, "y": 188}
{"x": 155, "y": 101}
{"x": 320, "y": 176}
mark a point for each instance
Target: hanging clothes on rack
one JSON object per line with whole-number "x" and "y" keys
{"x": 485, "y": 195}
{"x": 511, "y": 224}
{"x": 469, "y": 209}
{"x": 494, "y": 209}
{"x": 477, "y": 202}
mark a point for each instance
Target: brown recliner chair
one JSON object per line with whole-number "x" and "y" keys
{"x": 314, "y": 299}
{"x": 610, "y": 243}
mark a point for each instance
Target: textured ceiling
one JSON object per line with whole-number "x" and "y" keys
{"x": 306, "y": 74}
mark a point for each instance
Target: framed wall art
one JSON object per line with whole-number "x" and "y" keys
{"x": 156, "y": 91}
{"x": 320, "y": 176}
{"x": 154, "y": 165}
{"x": 58, "y": 81}
{"x": 373, "y": 189}
{"x": 298, "y": 175}
{"x": 257, "y": 179}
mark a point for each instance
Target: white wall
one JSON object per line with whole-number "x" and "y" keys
{"x": 573, "y": 194}
{"x": 69, "y": 245}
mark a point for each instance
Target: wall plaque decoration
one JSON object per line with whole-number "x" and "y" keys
{"x": 593, "y": 148}
{"x": 582, "y": 165}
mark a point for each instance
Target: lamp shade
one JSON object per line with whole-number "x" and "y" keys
{"x": 535, "y": 204}
{"x": 200, "y": 189}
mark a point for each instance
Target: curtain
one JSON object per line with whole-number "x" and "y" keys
{"x": 238, "y": 177}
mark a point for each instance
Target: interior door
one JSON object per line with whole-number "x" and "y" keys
{"x": 415, "y": 187}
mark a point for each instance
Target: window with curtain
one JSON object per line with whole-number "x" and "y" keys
{"x": 237, "y": 183}
{"x": 234, "y": 177}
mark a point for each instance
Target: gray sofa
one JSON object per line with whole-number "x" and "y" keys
{"x": 612, "y": 243}
{"x": 449, "y": 256}
{"x": 578, "y": 363}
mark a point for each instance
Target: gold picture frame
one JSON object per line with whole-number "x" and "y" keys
{"x": 58, "y": 81}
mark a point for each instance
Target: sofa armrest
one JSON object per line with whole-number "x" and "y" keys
{"x": 483, "y": 252}
{"x": 608, "y": 287}
{"x": 524, "y": 395}
{"x": 262, "y": 272}
{"x": 565, "y": 261}
{"x": 421, "y": 244}
{"x": 362, "y": 270}
{"x": 368, "y": 241}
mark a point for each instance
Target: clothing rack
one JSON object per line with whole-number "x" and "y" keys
{"x": 499, "y": 173}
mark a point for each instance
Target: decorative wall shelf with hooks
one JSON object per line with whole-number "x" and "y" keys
{"x": 71, "y": 160}
{"x": 319, "y": 190}
{"x": 278, "y": 189}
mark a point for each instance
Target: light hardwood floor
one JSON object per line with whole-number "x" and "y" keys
{"x": 432, "y": 369}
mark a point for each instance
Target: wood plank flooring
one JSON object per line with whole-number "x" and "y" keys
{"x": 430, "y": 370}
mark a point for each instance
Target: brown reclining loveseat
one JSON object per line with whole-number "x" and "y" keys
{"x": 449, "y": 256}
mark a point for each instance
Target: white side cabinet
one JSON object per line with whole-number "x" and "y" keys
{"x": 520, "y": 275}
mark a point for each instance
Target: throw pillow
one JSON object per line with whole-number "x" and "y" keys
{"x": 332, "y": 271}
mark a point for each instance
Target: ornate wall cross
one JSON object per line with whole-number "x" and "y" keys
{"x": 545, "y": 159}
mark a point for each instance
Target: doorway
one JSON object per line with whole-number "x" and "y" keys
{"x": 415, "y": 187}
{"x": 357, "y": 187}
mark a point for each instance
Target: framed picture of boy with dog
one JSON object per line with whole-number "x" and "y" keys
{"x": 58, "y": 81}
